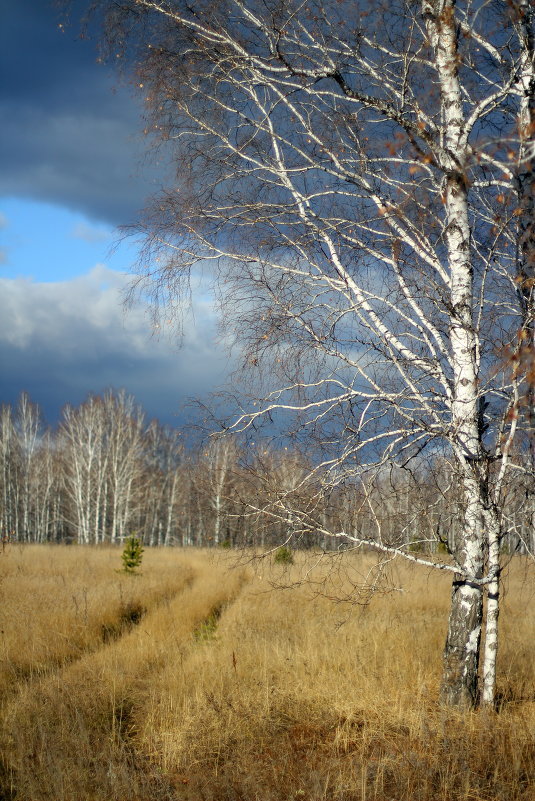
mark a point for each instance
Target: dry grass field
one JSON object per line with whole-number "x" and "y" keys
{"x": 199, "y": 681}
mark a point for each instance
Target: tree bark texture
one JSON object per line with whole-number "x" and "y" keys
{"x": 461, "y": 653}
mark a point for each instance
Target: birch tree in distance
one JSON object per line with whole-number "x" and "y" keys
{"x": 361, "y": 172}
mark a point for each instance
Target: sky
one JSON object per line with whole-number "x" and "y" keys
{"x": 73, "y": 167}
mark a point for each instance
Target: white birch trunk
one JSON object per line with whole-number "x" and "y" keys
{"x": 171, "y": 501}
{"x": 525, "y": 275}
{"x": 461, "y": 654}
{"x": 488, "y": 693}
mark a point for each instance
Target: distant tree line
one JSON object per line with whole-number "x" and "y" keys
{"x": 105, "y": 473}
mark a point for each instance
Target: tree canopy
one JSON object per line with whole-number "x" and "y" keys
{"x": 360, "y": 174}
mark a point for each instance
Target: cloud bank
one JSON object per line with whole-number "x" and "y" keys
{"x": 61, "y": 341}
{"x": 71, "y": 137}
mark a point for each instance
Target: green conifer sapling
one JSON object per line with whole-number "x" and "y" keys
{"x": 132, "y": 554}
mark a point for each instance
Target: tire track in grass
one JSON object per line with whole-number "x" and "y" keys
{"x": 162, "y": 724}
{"x": 81, "y": 723}
{"x": 127, "y": 615}
{"x": 47, "y": 632}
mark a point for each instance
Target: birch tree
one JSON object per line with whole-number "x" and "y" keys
{"x": 29, "y": 489}
{"x": 9, "y": 465}
{"x": 164, "y": 486}
{"x": 216, "y": 467}
{"x": 84, "y": 470}
{"x": 28, "y": 429}
{"x": 361, "y": 177}
{"x": 122, "y": 445}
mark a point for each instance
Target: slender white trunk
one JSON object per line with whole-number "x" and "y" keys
{"x": 461, "y": 654}
{"x": 217, "y": 520}
{"x": 493, "y": 611}
{"x": 525, "y": 274}
{"x": 171, "y": 508}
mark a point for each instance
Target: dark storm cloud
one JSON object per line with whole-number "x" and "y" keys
{"x": 60, "y": 341}
{"x": 70, "y": 133}
{"x": 71, "y": 136}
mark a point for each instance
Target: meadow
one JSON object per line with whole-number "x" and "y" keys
{"x": 212, "y": 676}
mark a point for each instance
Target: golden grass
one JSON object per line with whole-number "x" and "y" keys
{"x": 58, "y": 602}
{"x": 227, "y": 689}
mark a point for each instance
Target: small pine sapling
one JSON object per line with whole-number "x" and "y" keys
{"x": 283, "y": 556}
{"x": 132, "y": 554}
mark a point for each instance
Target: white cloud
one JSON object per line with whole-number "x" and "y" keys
{"x": 4, "y": 222}
{"x": 60, "y": 341}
